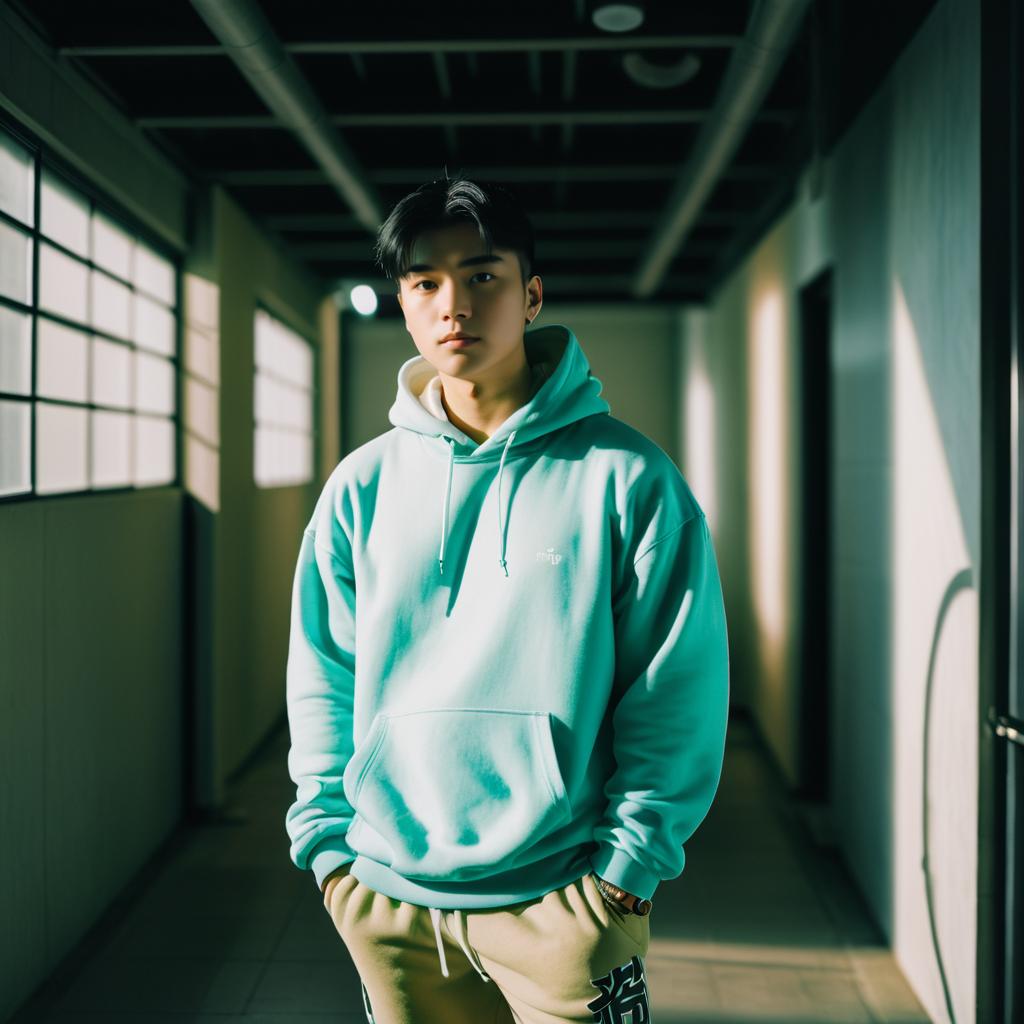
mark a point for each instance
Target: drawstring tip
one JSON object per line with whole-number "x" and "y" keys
{"x": 440, "y": 565}
{"x": 503, "y": 565}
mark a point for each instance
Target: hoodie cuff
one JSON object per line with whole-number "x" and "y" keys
{"x": 620, "y": 869}
{"x": 326, "y": 859}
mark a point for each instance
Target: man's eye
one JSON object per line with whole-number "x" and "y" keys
{"x": 425, "y": 281}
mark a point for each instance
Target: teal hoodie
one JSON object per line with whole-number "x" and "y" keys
{"x": 508, "y": 662}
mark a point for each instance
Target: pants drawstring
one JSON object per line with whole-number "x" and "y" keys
{"x": 460, "y": 934}
{"x": 435, "y": 916}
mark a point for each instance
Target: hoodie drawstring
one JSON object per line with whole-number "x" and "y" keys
{"x": 460, "y": 934}
{"x": 447, "y": 500}
{"x": 501, "y": 532}
{"x": 448, "y": 497}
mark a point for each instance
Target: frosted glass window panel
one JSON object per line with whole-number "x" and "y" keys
{"x": 111, "y": 305}
{"x": 202, "y": 355}
{"x": 15, "y": 264}
{"x": 299, "y": 361}
{"x": 263, "y": 398}
{"x": 202, "y": 303}
{"x": 111, "y": 436}
{"x": 63, "y": 284}
{"x": 281, "y": 457}
{"x": 299, "y": 409}
{"x": 154, "y": 384}
{"x": 154, "y": 451}
{"x": 280, "y": 404}
{"x": 15, "y": 447}
{"x": 263, "y": 457}
{"x": 261, "y": 331}
{"x": 153, "y": 274}
{"x": 64, "y": 214}
{"x": 202, "y": 410}
{"x": 62, "y": 362}
{"x": 267, "y": 347}
{"x": 15, "y": 350}
{"x": 202, "y": 472}
{"x": 154, "y": 326}
{"x": 111, "y": 373}
{"x": 61, "y": 448}
{"x": 17, "y": 180}
{"x": 111, "y": 246}
{"x": 281, "y": 351}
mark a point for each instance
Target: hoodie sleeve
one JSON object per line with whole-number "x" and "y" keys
{"x": 672, "y": 684}
{"x": 320, "y": 686}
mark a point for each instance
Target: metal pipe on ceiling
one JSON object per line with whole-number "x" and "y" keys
{"x": 249, "y": 40}
{"x": 751, "y": 71}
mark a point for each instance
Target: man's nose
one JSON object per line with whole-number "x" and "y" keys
{"x": 456, "y": 301}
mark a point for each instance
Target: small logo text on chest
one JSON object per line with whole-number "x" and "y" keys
{"x": 550, "y": 555}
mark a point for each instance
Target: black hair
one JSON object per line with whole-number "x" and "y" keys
{"x": 495, "y": 210}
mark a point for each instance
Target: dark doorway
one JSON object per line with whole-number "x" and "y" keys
{"x": 816, "y": 507}
{"x": 1000, "y": 955}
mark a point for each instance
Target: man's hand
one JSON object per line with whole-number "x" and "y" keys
{"x": 344, "y": 869}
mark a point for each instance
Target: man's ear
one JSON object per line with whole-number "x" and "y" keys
{"x": 535, "y": 293}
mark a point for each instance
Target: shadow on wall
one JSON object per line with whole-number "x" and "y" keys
{"x": 935, "y": 670}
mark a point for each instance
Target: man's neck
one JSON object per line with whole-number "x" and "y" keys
{"x": 478, "y": 411}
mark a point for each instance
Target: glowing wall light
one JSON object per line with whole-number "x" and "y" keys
{"x": 768, "y": 510}
{"x": 699, "y": 438}
{"x": 363, "y": 299}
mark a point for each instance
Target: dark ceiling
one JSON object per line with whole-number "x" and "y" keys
{"x": 532, "y": 94}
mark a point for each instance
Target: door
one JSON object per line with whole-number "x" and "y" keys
{"x": 1000, "y": 955}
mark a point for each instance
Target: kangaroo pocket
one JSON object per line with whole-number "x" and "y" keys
{"x": 455, "y": 793}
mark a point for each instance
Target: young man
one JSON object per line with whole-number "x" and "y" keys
{"x": 508, "y": 668}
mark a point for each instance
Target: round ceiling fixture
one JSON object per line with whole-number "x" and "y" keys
{"x": 617, "y": 17}
{"x": 660, "y": 76}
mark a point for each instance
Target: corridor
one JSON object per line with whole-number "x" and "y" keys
{"x": 580, "y": 378}
{"x": 762, "y": 926}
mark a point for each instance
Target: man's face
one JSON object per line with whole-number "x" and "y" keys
{"x": 453, "y": 286}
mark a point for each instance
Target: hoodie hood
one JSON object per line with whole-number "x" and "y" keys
{"x": 564, "y": 391}
{"x": 568, "y": 391}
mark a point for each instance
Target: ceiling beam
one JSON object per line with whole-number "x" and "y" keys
{"x": 494, "y": 45}
{"x": 419, "y": 119}
{"x": 581, "y": 249}
{"x": 401, "y": 176}
{"x": 545, "y": 220}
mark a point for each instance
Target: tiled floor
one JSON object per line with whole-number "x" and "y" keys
{"x": 763, "y": 925}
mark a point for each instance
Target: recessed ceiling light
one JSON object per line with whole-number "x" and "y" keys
{"x": 617, "y": 17}
{"x": 646, "y": 72}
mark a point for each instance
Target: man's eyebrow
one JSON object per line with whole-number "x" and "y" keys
{"x": 469, "y": 261}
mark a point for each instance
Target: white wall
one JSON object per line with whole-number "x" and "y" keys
{"x": 899, "y": 223}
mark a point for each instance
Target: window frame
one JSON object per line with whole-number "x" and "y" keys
{"x": 46, "y": 159}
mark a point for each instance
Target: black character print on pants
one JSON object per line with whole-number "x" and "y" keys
{"x": 623, "y": 998}
{"x": 366, "y": 1005}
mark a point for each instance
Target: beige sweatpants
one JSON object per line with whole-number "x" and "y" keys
{"x": 564, "y": 956}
